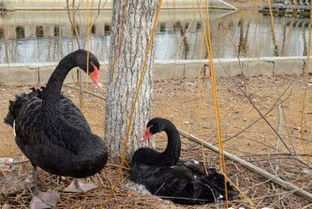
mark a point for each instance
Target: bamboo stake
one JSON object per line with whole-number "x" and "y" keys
{"x": 139, "y": 86}
{"x": 250, "y": 166}
{"x": 73, "y": 24}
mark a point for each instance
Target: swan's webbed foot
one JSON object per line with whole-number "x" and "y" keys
{"x": 44, "y": 200}
{"x": 40, "y": 199}
{"x": 78, "y": 186}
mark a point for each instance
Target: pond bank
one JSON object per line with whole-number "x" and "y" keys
{"x": 38, "y": 73}
{"x": 21, "y": 5}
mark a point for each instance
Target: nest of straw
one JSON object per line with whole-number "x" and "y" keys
{"x": 113, "y": 191}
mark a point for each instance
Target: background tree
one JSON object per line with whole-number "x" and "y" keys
{"x": 131, "y": 56}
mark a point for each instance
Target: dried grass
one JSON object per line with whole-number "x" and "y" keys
{"x": 113, "y": 192}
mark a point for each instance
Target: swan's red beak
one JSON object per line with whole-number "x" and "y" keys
{"x": 95, "y": 76}
{"x": 147, "y": 134}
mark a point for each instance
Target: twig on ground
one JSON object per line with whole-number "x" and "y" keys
{"x": 261, "y": 114}
{"x": 19, "y": 162}
{"x": 268, "y": 112}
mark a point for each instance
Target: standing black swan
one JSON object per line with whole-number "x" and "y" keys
{"x": 53, "y": 133}
{"x": 183, "y": 182}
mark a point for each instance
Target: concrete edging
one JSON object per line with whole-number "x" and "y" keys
{"x": 31, "y": 5}
{"x": 39, "y": 73}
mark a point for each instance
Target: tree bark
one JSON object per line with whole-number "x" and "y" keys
{"x": 131, "y": 28}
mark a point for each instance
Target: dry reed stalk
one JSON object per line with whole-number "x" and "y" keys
{"x": 259, "y": 189}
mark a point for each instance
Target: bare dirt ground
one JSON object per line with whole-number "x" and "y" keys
{"x": 189, "y": 104}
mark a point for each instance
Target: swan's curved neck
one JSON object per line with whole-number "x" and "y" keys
{"x": 51, "y": 94}
{"x": 172, "y": 152}
{"x": 168, "y": 157}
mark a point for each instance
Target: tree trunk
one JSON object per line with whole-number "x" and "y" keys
{"x": 131, "y": 29}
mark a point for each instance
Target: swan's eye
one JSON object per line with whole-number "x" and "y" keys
{"x": 91, "y": 63}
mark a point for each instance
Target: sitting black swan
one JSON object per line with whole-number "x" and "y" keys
{"x": 183, "y": 182}
{"x": 53, "y": 133}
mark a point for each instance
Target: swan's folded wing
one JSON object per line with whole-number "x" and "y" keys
{"x": 163, "y": 180}
{"x": 194, "y": 166}
{"x": 72, "y": 114}
{"x": 180, "y": 183}
{"x": 28, "y": 122}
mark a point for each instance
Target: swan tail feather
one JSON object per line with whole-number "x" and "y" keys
{"x": 15, "y": 106}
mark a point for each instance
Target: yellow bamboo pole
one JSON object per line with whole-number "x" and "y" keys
{"x": 139, "y": 86}
{"x": 207, "y": 34}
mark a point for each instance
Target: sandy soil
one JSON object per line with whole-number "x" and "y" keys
{"x": 189, "y": 104}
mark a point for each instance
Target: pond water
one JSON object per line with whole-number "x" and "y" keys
{"x": 28, "y": 37}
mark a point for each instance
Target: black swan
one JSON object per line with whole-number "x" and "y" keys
{"x": 183, "y": 182}
{"x": 53, "y": 133}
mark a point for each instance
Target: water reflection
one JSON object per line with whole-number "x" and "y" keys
{"x": 20, "y": 32}
{"x": 56, "y": 31}
{"x": 25, "y": 38}
{"x": 39, "y": 31}
{"x": 243, "y": 37}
